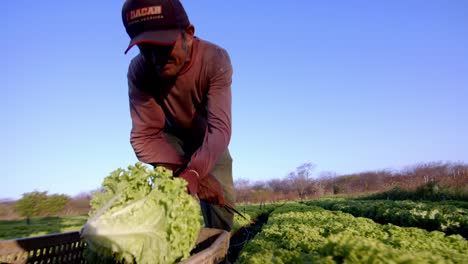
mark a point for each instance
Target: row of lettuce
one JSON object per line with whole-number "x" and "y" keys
{"x": 250, "y": 214}
{"x": 307, "y": 233}
{"x": 450, "y": 217}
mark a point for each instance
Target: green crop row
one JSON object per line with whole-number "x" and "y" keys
{"x": 250, "y": 212}
{"x": 446, "y": 217}
{"x": 11, "y": 229}
{"x": 298, "y": 233}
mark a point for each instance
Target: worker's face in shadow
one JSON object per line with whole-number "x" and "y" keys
{"x": 169, "y": 60}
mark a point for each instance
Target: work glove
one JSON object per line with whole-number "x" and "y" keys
{"x": 211, "y": 191}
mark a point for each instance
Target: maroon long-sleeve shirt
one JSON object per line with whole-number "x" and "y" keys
{"x": 195, "y": 107}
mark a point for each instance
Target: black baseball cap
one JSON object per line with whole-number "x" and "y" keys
{"x": 153, "y": 21}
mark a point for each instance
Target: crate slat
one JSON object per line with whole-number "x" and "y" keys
{"x": 55, "y": 248}
{"x": 67, "y": 247}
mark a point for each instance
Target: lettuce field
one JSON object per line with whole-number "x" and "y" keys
{"x": 306, "y": 233}
{"x": 329, "y": 231}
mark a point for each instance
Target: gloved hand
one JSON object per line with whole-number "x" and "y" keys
{"x": 211, "y": 191}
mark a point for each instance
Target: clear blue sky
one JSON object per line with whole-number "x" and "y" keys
{"x": 351, "y": 86}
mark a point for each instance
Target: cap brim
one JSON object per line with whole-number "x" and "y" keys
{"x": 156, "y": 37}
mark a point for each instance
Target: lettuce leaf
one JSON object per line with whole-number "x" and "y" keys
{"x": 141, "y": 216}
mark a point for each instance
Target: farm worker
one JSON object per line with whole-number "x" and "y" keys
{"x": 180, "y": 103}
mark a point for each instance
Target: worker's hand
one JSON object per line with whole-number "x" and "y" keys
{"x": 211, "y": 191}
{"x": 192, "y": 178}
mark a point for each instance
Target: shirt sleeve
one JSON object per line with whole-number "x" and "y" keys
{"x": 148, "y": 119}
{"x": 218, "y": 131}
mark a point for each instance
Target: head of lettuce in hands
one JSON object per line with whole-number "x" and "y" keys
{"x": 141, "y": 215}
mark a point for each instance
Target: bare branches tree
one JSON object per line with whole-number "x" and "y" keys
{"x": 279, "y": 186}
{"x": 242, "y": 187}
{"x": 301, "y": 179}
{"x": 302, "y": 184}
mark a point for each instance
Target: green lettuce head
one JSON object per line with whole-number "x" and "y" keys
{"x": 141, "y": 216}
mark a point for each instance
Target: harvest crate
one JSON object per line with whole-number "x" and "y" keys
{"x": 212, "y": 247}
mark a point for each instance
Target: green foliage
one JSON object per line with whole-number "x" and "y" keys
{"x": 11, "y": 229}
{"x": 241, "y": 222}
{"x": 40, "y": 204}
{"x": 450, "y": 217}
{"x": 142, "y": 216}
{"x": 55, "y": 203}
{"x": 308, "y": 234}
{"x": 251, "y": 212}
{"x": 32, "y": 204}
{"x": 430, "y": 191}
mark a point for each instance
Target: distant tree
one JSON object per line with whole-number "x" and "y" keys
{"x": 260, "y": 192}
{"x": 279, "y": 186}
{"x": 31, "y": 204}
{"x": 55, "y": 203}
{"x": 261, "y": 196}
{"x": 327, "y": 180}
{"x": 242, "y": 187}
{"x": 79, "y": 204}
{"x": 459, "y": 175}
{"x": 259, "y": 186}
{"x": 301, "y": 179}
{"x": 40, "y": 204}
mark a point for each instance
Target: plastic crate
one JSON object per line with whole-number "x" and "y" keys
{"x": 212, "y": 247}
{"x": 55, "y": 248}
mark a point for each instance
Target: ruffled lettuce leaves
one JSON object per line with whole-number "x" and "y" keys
{"x": 141, "y": 215}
